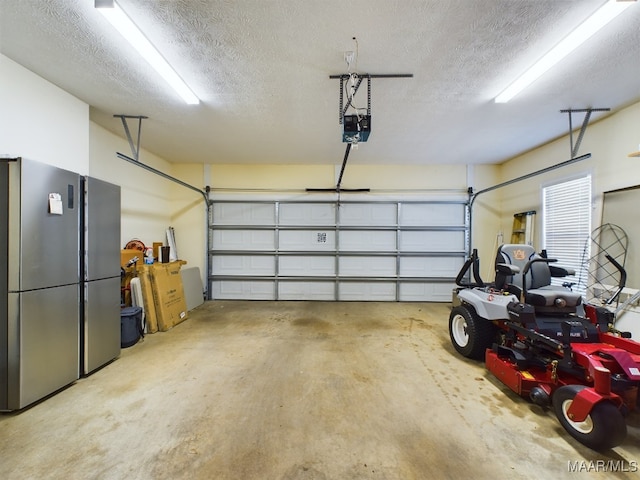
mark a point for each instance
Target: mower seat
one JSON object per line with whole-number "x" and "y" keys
{"x": 538, "y": 291}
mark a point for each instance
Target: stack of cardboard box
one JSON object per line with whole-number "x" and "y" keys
{"x": 163, "y": 297}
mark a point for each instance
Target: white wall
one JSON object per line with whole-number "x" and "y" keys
{"x": 40, "y": 121}
{"x": 146, "y": 197}
{"x": 189, "y": 216}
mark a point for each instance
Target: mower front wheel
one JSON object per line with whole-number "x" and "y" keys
{"x": 604, "y": 427}
{"x": 470, "y": 334}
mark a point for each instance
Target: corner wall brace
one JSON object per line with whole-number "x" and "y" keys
{"x": 135, "y": 150}
{"x": 585, "y": 122}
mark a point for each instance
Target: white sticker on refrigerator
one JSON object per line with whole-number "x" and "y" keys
{"x": 55, "y": 204}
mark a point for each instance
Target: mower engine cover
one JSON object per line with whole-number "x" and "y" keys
{"x": 488, "y": 304}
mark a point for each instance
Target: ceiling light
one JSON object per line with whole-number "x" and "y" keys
{"x": 595, "y": 22}
{"x": 116, "y": 16}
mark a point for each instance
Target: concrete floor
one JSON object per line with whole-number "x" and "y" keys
{"x": 297, "y": 390}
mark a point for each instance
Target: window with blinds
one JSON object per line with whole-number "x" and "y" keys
{"x": 566, "y": 227}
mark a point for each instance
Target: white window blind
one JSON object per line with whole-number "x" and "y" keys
{"x": 566, "y": 227}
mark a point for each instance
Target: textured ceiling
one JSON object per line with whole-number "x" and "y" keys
{"x": 261, "y": 69}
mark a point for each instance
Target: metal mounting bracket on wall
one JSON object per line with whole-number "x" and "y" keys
{"x": 135, "y": 150}
{"x": 585, "y": 122}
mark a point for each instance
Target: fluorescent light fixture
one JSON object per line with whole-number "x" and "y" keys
{"x": 595, "y": 22}
{"x": 116, "y": 16}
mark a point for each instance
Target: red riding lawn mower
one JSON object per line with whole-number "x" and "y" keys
{"x": 534, "y": 341}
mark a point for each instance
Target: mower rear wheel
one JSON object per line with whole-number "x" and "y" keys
{"x": 603, "y": 428}
{"x": 470, "y": 334}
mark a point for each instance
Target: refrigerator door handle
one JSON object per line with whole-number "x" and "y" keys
{"x": 70, "y": 196}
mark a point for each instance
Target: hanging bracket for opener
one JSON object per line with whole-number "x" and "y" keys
{"x": 585, "y": 122}
{"x": 361, "y": 76}
{"x": 135, "y": 149}
{"x": 341, "y": 113}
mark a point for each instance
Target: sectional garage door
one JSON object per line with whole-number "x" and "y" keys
{"x": 375, "y": 251}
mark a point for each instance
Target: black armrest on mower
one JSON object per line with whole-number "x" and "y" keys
{"x": 507, "y": 269}
{"x": 473, "y": 263}
{"x": 557, "y": 271}
{"x": 503, "y": 271}
{"x": 527, "y": 267}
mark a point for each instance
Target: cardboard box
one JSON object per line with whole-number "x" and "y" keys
{"x": 148, "y": 302}
{"x": 129, "y": 272}
{"x": 156, "y": 251}
{"x": 162, "y": 295}
{"x": 128, "y": 254}
{"x": 168, "y": 294}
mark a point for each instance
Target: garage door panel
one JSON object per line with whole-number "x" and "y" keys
{"x": 368, "y": 214}
{"x": 367, "y": 241}
{"x": 307, "y": 214}
{"x": 367, "y": 266}
{"x": 367, "y": 291}
{"x": 432, "y": 241}
{"x": 430, "y": 266}
{"x": 244, "y": 290}
{"x": 432, "y": 214}
{"x": 309, "y": 240}
{"x": 426, "y": 292}
{"x": 292, "y": 290}
{"x": 244, "y": 213}
{"x": 306, "y": 266}
{"x": 365, "y": 250}
{"x": 244, "y": 240}
{"x": 247, "y": 265}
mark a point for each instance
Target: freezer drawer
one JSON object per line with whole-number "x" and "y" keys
{"x": 42, "y": 344}
{"x": 101, "y": 329}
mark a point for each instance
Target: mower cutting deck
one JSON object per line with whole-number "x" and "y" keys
{"x": 589, "y": 374}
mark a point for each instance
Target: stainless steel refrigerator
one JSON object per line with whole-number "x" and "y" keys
{"x": 60, "y": 282}
{"x": 39, "y": 315}
{"x": 100, "y": 328}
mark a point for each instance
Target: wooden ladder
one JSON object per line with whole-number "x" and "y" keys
{"x": 523, "y": 224}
